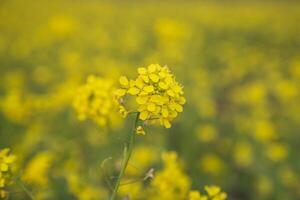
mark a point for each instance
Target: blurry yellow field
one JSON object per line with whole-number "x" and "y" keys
{"x": 238, "y": 63}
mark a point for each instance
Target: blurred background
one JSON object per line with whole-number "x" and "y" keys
{"x": 239, "y": 62}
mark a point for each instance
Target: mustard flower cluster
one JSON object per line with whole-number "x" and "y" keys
{"x": 94, "y": 100}
{"x": 213, "y": 193}
{"x": 6, "y": 161}
{"x": 171, "y": 182}
{"x": 158, "y": 96}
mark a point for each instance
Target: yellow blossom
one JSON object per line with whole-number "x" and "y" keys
{"x": 158, "y": 96}
{"x": 95, "y": 100}
{"x": 171, "y": 182}
{"x": 36, "y": 171}
{"x": 276, "y": 152}
{"x": 195, "y": 195}
{"x": 6, "y": 164}
{"x": 211, "y": 163}
{"x": 214, "y": 193}
{"x": 140, "y": 130}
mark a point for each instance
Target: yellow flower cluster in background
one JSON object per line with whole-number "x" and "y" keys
{"x": 94, "y": 100}
{"x": 170, "y": 182}
{"x": 36, "y": 171}
{"x": 213, "y": 193}
{"x": 6, "y": 161}
{"x": 158, "y": 96}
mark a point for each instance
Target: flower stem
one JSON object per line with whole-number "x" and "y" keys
{"x": 126, "y": 156}
{"x": 22, "y": 186}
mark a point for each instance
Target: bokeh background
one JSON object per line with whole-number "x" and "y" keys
{"x": 239, "y": 62}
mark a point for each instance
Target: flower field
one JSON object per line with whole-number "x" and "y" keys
{"x": 149, "y": 100}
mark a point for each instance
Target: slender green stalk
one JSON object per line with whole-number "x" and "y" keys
{"x": 126, "y": 156}
{"x": 22, "y": 186}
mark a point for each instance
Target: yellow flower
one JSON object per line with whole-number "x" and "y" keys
{"x": 171, "y": 182}
{"x": 276, "y": 152}
{"x": 211, "y": 163}
{"x": 6, "y": 163}
{"x": 143, "y": 157}
{"x": 206, "y": 133}
{"x": 215, "y": 193}
{"x": 82, "y": 189}
{"x": 140, "y": 130}
{"x": 195, "y": 195}
{"x": 95, "y": 100}
{"x": 212, "y": 190}
{"x": 243, "y": 153}
{"x": 36, "y": 171}
{"x": 158, "y": 96}
{"x": 123, "y": 111}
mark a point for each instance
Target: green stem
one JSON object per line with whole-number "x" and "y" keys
{"x": 22, "y": 186}
{"x": 126, "y": 156}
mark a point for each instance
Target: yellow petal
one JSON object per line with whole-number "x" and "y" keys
{"x": 149, "y": 88}
{"x": 133, "y": 91}
{"x": 145, "y": 78}
{"x": 172, "y": 106}
{"x": 159, "y": 100}
{"x": 139, "y": 83}
{"x": 155, "y": 98}
{"x": 165, "y": 111}
{"x": 182, "y": 100}
{"x": 142, "y": 108}
{"x": 178, "y": 107}
{"x": 4, "y": 167}
{"x": 212, "y": 190}
{"x": 157, "y": 110}
{"x": 169, "y": 80}
{"x": 142, "y": 99}
{"x": 9, "y": 159}
{"x": 166, "y": 123}
{"x": 143, "y": 93}
{"x": 154, "y": 78}
{"x": 162, "y": 74}
{"x": 177, "y": 89}
{"x": 172, "y": 114}
{"x": 124, "y": 81}
{"x": 144, "y": 115}
{"x": 163, "y": 85}
{"x": 151, "y": 68}
{"x": 151, "y": 107}
{"x": 120, "y": 92}
{"x": 142, "y": 71}
{"x": 123, "y": 111}
{"x": 171, "y": 93}
{"x": 131, "y": 83}
{"x": 140, "y": 130}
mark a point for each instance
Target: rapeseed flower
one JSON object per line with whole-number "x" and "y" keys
{"x": 159, "y": 97}
{"x": 195, "y": 195}
{"x": 94, "y": 100}
{"x": 140, "y": 130}
{"x": 6, "y": 163}
{"x": 213, "y": 193}
{"x": 171, "y": 182}
{"x": 36, "y": 171}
